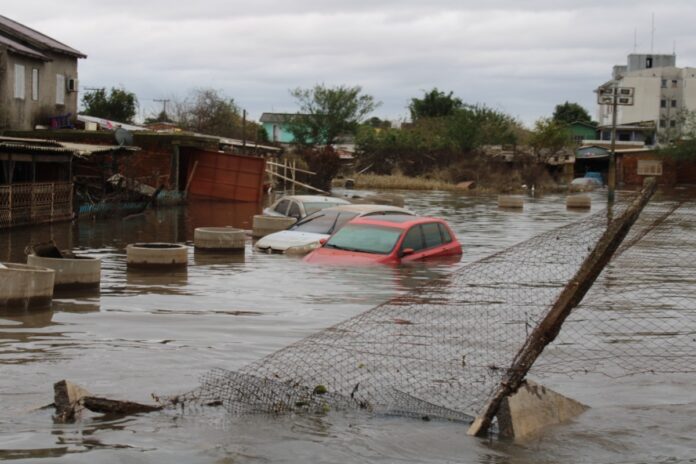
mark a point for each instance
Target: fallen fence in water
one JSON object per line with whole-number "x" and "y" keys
{"x": 448, "y": 349}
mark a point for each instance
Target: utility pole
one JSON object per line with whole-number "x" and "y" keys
{"x": 244, "y": 131}
{"x": 615, "y": 96}
{"x": 611, "y": 175}
{"x": 164, "y": 102}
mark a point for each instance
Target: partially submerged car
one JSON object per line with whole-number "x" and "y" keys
{"x": 300, "y": 206}
{"x": 305, "y": 235}
{"x": 584, "y": 184}
{"x": 388, "y": 239}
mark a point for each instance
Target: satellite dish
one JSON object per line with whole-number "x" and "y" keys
{"x": 123, "y": 137}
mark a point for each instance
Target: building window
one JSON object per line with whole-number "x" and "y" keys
{"x": 649, "y": 167}
{"x": 648, "y": 62}
{"x": 673, "y": 123}
{"x": 34, "y": 84}
{"x": 674, "y": 103}
{"x": 663, "y": 103}
{"x": 19, "y": 81}
{"x": 674, "y": 83}
{"x": 60, "y": 89}
{"x": 664, "y": 83}
{"x": 663, "y": 123}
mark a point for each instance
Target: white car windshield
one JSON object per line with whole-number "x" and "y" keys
{"x": 311, "y": 207}
{"x": 365, "y": 238}
{"x": 323, "y": 222}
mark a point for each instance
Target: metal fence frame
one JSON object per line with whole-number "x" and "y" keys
{"x": 35, "y": 203}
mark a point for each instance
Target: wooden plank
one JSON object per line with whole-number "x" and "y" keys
{"x": 570, "y": 297}
{"x": 298, "y": 183}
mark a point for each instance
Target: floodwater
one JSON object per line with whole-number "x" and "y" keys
{"x": 148, "y": 333}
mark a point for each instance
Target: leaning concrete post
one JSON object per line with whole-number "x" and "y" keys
{"x": 570, "y": 297}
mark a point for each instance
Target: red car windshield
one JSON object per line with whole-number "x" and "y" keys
{"x": 365, "y": 238}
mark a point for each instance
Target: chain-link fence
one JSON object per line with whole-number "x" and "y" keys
{"x": 640, "y": 316}
{"x": 443, "y": 350}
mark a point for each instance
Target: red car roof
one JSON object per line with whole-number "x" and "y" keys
{"x": 398, "y": 221}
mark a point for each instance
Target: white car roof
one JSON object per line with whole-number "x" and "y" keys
{"x": 364, "y": 209}
{"x": 314, "y": 199}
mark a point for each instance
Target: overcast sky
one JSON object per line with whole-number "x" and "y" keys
{"x": 521, "y": 57}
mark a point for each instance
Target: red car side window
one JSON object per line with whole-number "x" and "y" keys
{"x": 413, "y": 239}
{"x": 431, "y": 232}
{"x": 446, "y": 236}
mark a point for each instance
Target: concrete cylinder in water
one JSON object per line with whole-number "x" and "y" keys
{"x": 218, "y": 238}
{"x": 156, "y": 255}
{"x": 510, "y": 201}
{"x": 578, "y": 202}
{"x": 264, "y": 225}
{"x": 392, "y": 199}
{"x": 24, "y": 287}
{"x": 71, "y": 273}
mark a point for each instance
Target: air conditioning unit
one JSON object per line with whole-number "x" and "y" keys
{"x": 71, "y": 84}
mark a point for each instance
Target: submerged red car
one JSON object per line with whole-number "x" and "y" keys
{"x": 388, "y": 239}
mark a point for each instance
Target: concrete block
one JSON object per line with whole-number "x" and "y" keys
{"x": 67, "y": 398}
{"x": 79, "y": 272}
{"x": 24, "y": 287}
{"x": 265, "y": 225}
{"x": 219, "y": 238}
{"x": 156, "y": 255}
{"x": 510, "y": 202}
{"x": 532, "y": 408}
{"x": 578, "y": 202}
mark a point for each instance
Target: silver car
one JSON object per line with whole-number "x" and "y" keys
{"x": 305, "y": 235}
{"x": 300, "y": 206}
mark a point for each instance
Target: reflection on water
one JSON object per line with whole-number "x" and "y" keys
{"x": 158, "y": 332}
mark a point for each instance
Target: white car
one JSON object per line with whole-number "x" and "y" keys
{"x": 584, "y": 184}
{"x": 305, "y": 235}
{"x": 300, "y": 206}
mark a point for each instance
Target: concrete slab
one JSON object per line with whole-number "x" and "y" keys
{"x": 532, "y": 408}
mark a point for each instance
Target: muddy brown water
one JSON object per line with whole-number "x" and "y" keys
{"x": 156, "y": 333}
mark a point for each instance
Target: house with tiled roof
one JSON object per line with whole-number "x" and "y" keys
{"x": 38, "y": 77}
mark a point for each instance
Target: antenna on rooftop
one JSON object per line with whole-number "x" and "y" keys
{"x": 652, "y": 34}
{"x": 635, "y": 40}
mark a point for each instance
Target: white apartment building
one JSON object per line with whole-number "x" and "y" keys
{"x": 662, "y": 94}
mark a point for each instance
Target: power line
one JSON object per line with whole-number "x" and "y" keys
{"x": 164, "y": 102}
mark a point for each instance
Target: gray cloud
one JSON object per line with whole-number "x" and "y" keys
{"x": 521, "y": 57}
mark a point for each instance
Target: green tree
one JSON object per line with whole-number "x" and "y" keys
{"x": 473, "y": 126}
{"x": 161, "y": 117}
{"x": 549, "y": 137}
{"x": 570, "y": 112}
{"x": 328, "y": 112}
{"x": 680, "y": 142}
{"x": 378, "y": 123}
{"x": 210, "y": 112}
{"x": 434, "y": 104}
{"x": 118, "y": 105}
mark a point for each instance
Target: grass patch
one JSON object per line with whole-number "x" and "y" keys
{"x": 397, "y": 181}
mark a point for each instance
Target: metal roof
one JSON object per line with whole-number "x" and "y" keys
{"x": 23, "y": 145}
{"x": 279, "y": 117}
{"x": 17, "y": 47}
{"x": 9, "y": 27}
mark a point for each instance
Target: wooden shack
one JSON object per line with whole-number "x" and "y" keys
{"x": 223, "y": 176}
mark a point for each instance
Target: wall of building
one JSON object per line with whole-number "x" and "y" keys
{"x": 280, "y": 134}
{"x": 629, "y": 170}
{"x": 637, "y": 61}
{"x": 24, "y": 113}
{"x": 646, "y": 105}
{"x": 689, "y": 88}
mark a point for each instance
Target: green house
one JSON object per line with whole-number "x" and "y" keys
{"x": 276, "y": 126}
{"x": 581, "y": 130}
